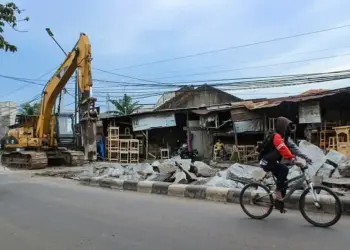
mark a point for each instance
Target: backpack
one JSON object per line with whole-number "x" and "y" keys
{"x": 266, "y": 146}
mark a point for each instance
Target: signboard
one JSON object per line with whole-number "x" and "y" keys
{"x": 248, "y": 126}
{"x": 153, "y": 121}
{"x": 309, "y": 112}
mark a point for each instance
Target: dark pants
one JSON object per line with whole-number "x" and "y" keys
{"x": 280, "y": 172}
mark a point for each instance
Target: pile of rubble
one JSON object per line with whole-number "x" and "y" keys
{"x": 182, "y": 171}
{"x": 333, "y": 164}
{"x": 179, "y": 171}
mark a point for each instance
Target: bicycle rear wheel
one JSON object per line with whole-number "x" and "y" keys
{"x": 256, "y": 195}
{"x": 328, "y": 204}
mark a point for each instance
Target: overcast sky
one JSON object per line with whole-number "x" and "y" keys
{"x": 125, "y": 33}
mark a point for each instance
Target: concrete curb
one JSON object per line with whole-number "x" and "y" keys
{"x": 216, "y": 194}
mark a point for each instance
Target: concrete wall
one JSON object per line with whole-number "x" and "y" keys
{"x": 202, "y": 140}
{"x": 8, "y": 112}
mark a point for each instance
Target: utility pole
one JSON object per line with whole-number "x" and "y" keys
{"x": 107, "y": 103}
{"x": 49, "y": 32}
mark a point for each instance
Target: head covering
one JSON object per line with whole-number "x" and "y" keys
{"x": 282, "y": 124}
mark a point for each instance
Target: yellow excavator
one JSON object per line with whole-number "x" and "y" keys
{"x": 32, "y": 142}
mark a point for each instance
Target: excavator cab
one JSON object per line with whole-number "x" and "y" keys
{"x": 65, "y": 135}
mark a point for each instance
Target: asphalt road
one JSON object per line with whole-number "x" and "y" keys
{"x": 50, "y": 214}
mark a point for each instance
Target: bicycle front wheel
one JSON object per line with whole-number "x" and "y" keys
{"x": 255, "y": 196}
{"x": 328, "y": 205}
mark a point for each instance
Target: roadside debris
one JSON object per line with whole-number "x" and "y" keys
{"x": 344, "y": 168}
{"x": 203, "y": 170}
{"x": 330, "y": 166}
{"x": 315, "y": 153}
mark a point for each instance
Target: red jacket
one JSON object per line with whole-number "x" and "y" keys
{"x": 281, "y": 147}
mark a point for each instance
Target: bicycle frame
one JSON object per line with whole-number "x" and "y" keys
{"x": 300, "y": 181}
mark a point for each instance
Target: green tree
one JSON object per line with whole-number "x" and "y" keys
{"x": 8, "y": 16}
{"x": 30, "y": 109}
{"x": 124, "y": 106}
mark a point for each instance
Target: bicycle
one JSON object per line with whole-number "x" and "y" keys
{"x": 299, "y": 182}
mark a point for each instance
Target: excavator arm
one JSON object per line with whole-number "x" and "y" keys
{"x": 78, "y": 58}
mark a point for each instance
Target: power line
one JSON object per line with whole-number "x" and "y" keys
{"x": 28, "y": 81}
{"x": 257, "y": 67}
{"x": 21, "y": 80}
{"x": 258, "y": 85}
{"x": 251, "y": 61}
{"x": 222, "y": 71}
{"x": 335, "y": 75}
{"x": 130, "y": 77}
{"x": 232, "y": 47}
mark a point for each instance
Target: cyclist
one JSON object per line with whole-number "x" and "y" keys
{"x": 276, "y": 147}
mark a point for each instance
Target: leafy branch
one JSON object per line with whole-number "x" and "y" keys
{"x": 8, "y": 15}
{"x": 124, "y": 106}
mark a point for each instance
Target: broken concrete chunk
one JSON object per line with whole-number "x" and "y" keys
{"x": 180, "y": 177}
{"x": 167, "y": 177}
{"x": 144, "y": 169}
{"x": 169, "y": 165}
{"x": 315, "y": 154}
{"x": 240, "y": 171}
{"x": 220, "y": 165}
{"x": 165, "y": 168}
{"x": 325, "y": 171}
{"x": 223, "y": 173}
{"x": 185, "y": 163}
{"x": 336, "y": 173}
{"x": 117, "y": 172}
{"x": 258, "y": 174}
{"x": 155, "y": 164}
{"x": 293, "y": 172}
{"x": 344, "y": 168}
{"x": 335, "y": 156}
{"x": 203, "y": 170}
{"x": 191, "y": 177}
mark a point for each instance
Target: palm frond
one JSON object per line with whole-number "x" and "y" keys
{"x": 125, "y": 105}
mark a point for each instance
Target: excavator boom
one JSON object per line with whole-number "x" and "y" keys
{"x": 79, "y": 58}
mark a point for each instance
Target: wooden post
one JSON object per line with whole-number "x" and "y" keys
{"x": 235, "y": 134}
{"x": 188, "y": 133}
{"x": 265, "y": 125}
{"x": 147, "y": 144}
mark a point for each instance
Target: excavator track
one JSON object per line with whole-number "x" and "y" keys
{"x": 73, "y": 158}
{"x": 39, "y": 160}
{"x": 24, "y": 159}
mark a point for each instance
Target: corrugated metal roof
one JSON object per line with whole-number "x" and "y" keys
{"x": 306, "y": 96}
{"x": 251, "y": 104}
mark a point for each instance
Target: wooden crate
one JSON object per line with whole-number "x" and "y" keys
{"x": 124, "y": 144}
{"x": 342, "y": 139}
{"x": 134, "y": 157}
{"x": 113, "y": 132}
{"x": 134, "y": 145}
{"x": 164, "y": 153}
{"x": 124, "y": 157}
